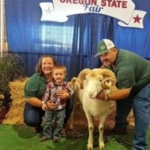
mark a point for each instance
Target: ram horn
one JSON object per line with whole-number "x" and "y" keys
{"x": 83, "y": 74}
{"x": 108, "y": 73}
{"x": 75, "y": 79}
{"x": 108, "y": 82}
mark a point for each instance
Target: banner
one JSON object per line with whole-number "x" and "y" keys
{"x": 123, "y": 10}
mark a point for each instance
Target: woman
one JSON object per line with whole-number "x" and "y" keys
{"x": 35, "y": 89}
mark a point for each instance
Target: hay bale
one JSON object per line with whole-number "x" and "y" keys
{"x": 1, "y": 96}
{"x": 131, "y": 118}
{"x": 112, "y": 107}
{"x": 15, "y": 114}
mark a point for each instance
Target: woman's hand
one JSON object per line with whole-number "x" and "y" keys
{"x": 44, "y": 107}
{"x": 63, "y": 94}
{"x": 51, "y": 105}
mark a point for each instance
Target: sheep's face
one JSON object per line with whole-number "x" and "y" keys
{"x": 92, "y": 84}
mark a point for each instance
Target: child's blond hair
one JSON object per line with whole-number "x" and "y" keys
{"x": 63, "y": 67}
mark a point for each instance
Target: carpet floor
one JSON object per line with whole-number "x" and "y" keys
{"x": 21, "y": 137}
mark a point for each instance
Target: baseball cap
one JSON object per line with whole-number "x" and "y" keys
{"x": 104, "y": 46}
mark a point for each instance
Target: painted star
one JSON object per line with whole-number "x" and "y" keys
{"x": 137, "y": 19}
{"x": 48, "y": 10}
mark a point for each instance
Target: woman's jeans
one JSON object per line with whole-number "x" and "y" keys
{"x": 141, "y": 108}
{"x": 33, "y": 115}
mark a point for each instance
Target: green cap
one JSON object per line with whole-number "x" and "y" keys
{"x": 104, "y": 46}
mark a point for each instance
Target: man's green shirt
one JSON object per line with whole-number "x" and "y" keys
{"x": 131, "y": 70}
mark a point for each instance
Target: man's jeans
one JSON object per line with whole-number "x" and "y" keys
{"x": 123, "y": 108}
{"x": 141, "y": 108}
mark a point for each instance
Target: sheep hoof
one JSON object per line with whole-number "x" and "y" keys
{"x": 90, "y": 147}
{"x": 101, "y": 147}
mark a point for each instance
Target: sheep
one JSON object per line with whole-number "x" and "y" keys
{"x": 87, "y": 86}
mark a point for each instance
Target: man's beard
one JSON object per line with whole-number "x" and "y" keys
{"x": 106, "y": 63}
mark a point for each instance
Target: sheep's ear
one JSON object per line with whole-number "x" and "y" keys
{"x": 83, "y": 74}
{"x": 84, "y": 83}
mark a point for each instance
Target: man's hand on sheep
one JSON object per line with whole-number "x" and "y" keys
{"x": 102, "y": 95}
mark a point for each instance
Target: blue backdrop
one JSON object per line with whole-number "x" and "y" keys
{"x": 73, "y": 43}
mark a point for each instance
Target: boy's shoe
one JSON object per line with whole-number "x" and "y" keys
{"x": 43, "y": 139}
{"x": 55, "y": 140}
{"x": 38, "y": 129}
{"x": 63, "y": 132}
{"x": 116, "y": 131}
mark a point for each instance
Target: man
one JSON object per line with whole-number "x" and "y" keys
{"x": 133, "y": 76}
